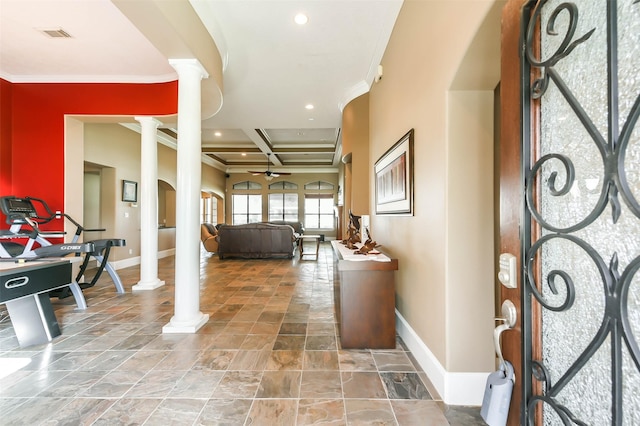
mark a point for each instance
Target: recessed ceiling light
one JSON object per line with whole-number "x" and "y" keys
{"x": 301, "y": 19}
{"x": 244, "y": 154}
{"x": 217, "y": 134}
{"x": 311, "y": 119}
{"x": 309, "y": 106}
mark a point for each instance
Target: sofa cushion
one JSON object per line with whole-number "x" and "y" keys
{"x": 298, "y": 228}
{"x": 209, "y": 228}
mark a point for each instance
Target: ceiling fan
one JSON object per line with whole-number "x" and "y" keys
{"x": 268, "y": 174}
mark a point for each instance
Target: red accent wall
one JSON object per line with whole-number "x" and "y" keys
{"x": 5, "y": 136}
{"x": 36, "y": 127}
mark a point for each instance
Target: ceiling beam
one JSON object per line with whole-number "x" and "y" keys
{"x": 229, "y": 150}
{"x": 302, "y": 150}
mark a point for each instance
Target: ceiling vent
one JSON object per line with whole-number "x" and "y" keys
{"x": 56, "y": 33}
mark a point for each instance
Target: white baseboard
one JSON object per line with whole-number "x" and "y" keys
{"x": 454, "y": 388}
{"x": 125, "y": 263}
{"x": 166, "y": 253}
{"x": 133, "y": 261}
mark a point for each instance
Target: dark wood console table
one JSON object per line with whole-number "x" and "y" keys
{"x": 365, "y": 300}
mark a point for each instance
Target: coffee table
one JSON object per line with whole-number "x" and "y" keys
{"x": 310, "y": 237}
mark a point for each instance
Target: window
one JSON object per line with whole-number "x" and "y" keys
{"x": 205, "y": 208}
{"x": 283, "y": 207}
{"x": 247, "y": 184}
{"x": 318, "y": 211}
{"x": 247, "y": 208}
{"x": 318, "y": 185}
{"x": 208, "y": 208}
{"x": 283, "y": 184}
{"x": 214, "y": 211}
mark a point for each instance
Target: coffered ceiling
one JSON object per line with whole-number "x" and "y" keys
{"x": 273, "y": 68}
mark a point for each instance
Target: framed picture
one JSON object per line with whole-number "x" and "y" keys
{"x": 129, "y": 191}
{"x": 394, "y": 178}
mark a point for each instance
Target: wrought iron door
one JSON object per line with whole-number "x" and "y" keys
{"x": 581, "y": 239}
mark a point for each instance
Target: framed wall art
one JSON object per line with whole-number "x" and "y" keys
{"x": 129, "y": 191}
{"x": 394, "y": 178}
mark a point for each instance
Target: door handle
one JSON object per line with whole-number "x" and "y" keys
{"x": 509, "y": 319}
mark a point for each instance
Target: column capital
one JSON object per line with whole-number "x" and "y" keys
{"x": 182, "y": 65}
{"x": 148, "y": 119}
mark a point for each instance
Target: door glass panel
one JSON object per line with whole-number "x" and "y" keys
{"x": 587, "y": 212}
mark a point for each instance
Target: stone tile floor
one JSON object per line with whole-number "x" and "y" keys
{"x": 269, "y": 355}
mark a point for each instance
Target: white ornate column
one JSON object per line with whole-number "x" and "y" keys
{"x": 148, "y": 206}
{"x": 187, "y": 317}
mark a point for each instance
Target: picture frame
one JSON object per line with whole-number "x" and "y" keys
{"x": 394, "y": 178}
{"x": 129, "y": 191}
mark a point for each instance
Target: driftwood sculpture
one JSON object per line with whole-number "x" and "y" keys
{"x": 368, "y": 246}
{"x": 353, "y": 231}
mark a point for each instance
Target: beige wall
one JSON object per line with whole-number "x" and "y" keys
{"x": 91, "y": 200}
{"x": 355, "y": 141}
{"x": 445, "y": 250}
{"x": 470, "y": 210}
{"x": 167, "y": 161}
{"x": 113, "y": 146}
{"x": 299, "y": 178}
{"x": 117, "y": 148}
{"x": 166, "y": 204}
{"x": 166, "y": 239}
{"x": 214, "y": 182}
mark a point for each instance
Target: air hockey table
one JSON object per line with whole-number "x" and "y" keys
{"x": 24, "y": 289}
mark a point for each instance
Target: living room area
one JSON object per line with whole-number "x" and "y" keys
{"x": 84, "y": 128}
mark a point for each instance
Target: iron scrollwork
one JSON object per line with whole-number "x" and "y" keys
{"x": 615, "y": 323}
{"x": 540, "y": 86}
{"x": 612, "y": 152}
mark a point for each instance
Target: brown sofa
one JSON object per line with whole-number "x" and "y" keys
{"x": 256, "y": 241}
{"x": 208, "y": 236}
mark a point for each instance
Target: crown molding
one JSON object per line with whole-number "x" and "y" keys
{"x": 122, "y": 79}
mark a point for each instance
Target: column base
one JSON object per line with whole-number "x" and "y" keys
{"x": 175, "y": 326}
{"x": 152, "y": 285}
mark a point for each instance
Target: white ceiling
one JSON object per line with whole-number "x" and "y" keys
{"x": 272, "y": 66}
